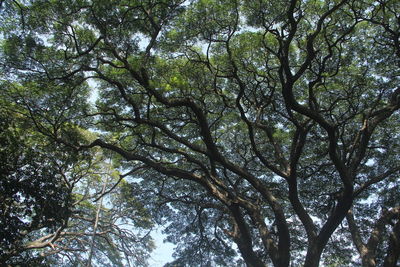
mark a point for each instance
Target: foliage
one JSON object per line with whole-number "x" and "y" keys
{"x": 32, "y": 194}
{"x": 49, "y": 193}
{"x": 260, "y": 130}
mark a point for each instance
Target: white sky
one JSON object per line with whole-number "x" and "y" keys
{"x": 163, "y": 252}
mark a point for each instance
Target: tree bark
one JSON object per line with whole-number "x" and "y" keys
{"x": 317, "y": 245}
{"x": 243, "y": 239}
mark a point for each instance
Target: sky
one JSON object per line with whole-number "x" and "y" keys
{"x": 163, "y": 252}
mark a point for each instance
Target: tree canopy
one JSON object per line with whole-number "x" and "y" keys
{"x": 58, "y": 206}
{"x": 258, "y": 133}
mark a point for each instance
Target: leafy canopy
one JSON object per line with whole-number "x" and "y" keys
{"x": 265, "y": 132}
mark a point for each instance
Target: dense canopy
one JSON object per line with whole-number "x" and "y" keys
{"x": 258, "y": 133}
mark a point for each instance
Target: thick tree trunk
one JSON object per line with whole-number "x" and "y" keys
{"x": 243, "y": 239}
{"x": 317, "y": 246}
{"x": 313, "y": 255}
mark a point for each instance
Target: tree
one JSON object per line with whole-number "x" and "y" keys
{"x": 32, "y": 195}
{"x": 263, "y": 127}
{"x": 57, "y": 206}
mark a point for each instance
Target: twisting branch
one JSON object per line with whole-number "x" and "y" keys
{"x": 368, "y": 249}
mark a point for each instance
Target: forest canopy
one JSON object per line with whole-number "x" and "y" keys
{"x": 257, "y": 133}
